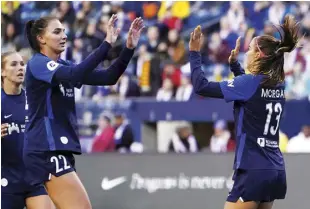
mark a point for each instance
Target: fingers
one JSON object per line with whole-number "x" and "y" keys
{"x": 197, "y": 33}
{"x": 112, "y": 20}
{"x": 4, "y": 129}
{"x": 137, "y": 23}
{"x": 141, "y": 29}
{"x": 237, "y": 47}
{"x": 117, "y": 31}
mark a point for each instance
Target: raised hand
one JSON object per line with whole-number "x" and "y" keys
{"x": 134, "y": 33}
{"x": 112, "y": 32}
{"x": 235, "y": 52}
{"x": 196, "y": 39}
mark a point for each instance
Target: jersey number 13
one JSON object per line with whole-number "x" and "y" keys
{"x": 277, "y": 110}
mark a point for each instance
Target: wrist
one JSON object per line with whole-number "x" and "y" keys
{"x": 130, "y": 47}
{"x": 109, "y": 41}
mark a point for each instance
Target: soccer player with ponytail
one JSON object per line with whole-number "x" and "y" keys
{"x": 51, "y": 136}
{"x": 259, "y": 100}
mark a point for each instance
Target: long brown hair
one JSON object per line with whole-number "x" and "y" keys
{"x": 272, "y": 51}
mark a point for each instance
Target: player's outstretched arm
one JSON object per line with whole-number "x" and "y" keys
{"x": 112, "y": 74}
{"x": 200, "y": 83}
{"x": 234, "y": 65}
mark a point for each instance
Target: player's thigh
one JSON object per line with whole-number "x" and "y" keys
{"x": 265, "y": 205}
{"x": 39, "y": 202}
{"x": 37, "y": 198}
{"x": 12, "y": 201}
{"x": 68, "y": 192}
{"x": 241, "y": 205}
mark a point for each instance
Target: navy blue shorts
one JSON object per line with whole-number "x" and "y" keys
{"x": 17, "y": 200}
{"x": 42, "y": 165}
{"x": 258, "y": 186}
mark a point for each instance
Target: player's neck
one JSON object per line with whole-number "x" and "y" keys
{"x": 50, "y": 54}
{"x": 11, "y": 88}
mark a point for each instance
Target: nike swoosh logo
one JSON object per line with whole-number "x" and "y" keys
{"x": 107, "y": 184}
{"x": 7, "y": 116}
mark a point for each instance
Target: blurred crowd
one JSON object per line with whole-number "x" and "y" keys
{"x": 160, "y": 66}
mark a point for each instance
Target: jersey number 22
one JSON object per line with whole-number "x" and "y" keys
{"x": 277, "y": 109}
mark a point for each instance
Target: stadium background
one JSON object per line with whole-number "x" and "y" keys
{"x": 151, "y": 94}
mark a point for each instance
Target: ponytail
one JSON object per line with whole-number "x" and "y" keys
{"x": 289, "y": 39}
{"x": 31, "y": 39}
{"x": 272, "y": 51}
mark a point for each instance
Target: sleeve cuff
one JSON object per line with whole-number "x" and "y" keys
{"x": 235, "y": 64}
{"x": 126, "y": 55}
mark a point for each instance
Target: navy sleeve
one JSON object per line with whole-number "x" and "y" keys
{"x": 45, "y": 69}
{"x": 200, "y": 83}
{"x": 241, "y": 88}
{"x": 111, "y": 75}
{"x": 236, "y": 68}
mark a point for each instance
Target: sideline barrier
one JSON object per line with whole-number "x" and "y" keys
{"x": 161, "y": 181}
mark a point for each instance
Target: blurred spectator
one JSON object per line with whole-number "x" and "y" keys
{"x": 185, "y": 91}
{"x": 283, "y": 141}
{"x": 218, "y": 49}
{"x": 153, "y": 39}
{"x": 150, "y": 10}
{"x": 183, "y": 141}
{"x": 221, "y": 137}
{"x": 104, "y": 140}
{"x": 235, "y": 15}
{"x": 176, "y": 48}
{"x": 123, "y": 136}
{"x": 122, "y": 20}
{"x": 173, "y": 73}
{"x": 226, "y": 33}
{"x": 168, "y": 18}
{"x": 165, "y": 93}
{"x": 143, "y": 70}
{"x": 301, "y": 142}
{"x": 64, "y": 12}
{"x": 127, "y": 87}
{"x": 276, "y": 12}
{"x": 9, "y": 38}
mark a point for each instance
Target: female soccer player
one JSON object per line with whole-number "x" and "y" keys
{"x": 15, "y": 191}
{"x": 259, "y": 100}
{"x": 51, "y": 136}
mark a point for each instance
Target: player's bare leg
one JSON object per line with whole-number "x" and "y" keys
{"x": 241, "y": 205}
{"x": 265, "y": 205}
{"x": 39, "y": 202}
{"x": 68, "y": 192}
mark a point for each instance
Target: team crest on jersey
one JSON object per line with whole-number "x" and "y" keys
{"x": 51, "y": 65}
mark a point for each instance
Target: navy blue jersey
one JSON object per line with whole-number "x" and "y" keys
{"x": 52, "y": 121}
{"x": 13, "y": 113}
{"x": 257, "y": 114}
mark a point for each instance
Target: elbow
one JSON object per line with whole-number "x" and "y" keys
{"x": 112, "y": 81}
{"x": 198, "y": 90}
{"x": 197, "y": 87}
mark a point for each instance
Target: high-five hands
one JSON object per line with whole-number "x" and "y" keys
{"x": 196, "y": 39}
{"x": 134, "y": 33}
{"x": 112, "y": 32}
{"x": 235, "y": 52}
